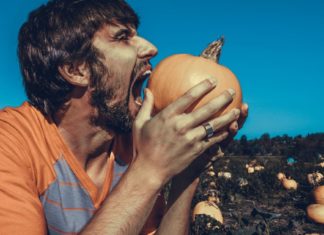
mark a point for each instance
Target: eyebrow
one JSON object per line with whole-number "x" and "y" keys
{"x": 122, "y": 31}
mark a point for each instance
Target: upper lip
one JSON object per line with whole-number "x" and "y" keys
{"x": 142, "y": 71}
{"x": 145, "y": 68}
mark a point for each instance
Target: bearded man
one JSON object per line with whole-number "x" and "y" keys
{"x": 67, "y": 163}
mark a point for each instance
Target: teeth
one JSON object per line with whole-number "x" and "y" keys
{"x": 146, "y": 73}
{"x": 139, "y": 101}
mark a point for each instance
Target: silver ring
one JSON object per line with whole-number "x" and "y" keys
{"x": 209, "y": 130}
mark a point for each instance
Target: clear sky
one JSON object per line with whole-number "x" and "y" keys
{"x": 275, "y": 47}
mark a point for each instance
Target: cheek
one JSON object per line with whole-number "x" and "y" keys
{"x": 122, "y": 68}
{"x": 125, "y": 59}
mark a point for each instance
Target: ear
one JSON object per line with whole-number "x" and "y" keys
{"x": 76, "y": 74}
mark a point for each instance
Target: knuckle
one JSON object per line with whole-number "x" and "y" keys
{"x": 216, "y": 124}
{"x": 179, "y": 126}
{"x": 198, "y": 148}
{"x": 188, "y": 138}
{"x": 191, "y": 95}
{"x": 163, "y": 116}
{"x": 207, "y": 110}
{"x": 235, "y": 113}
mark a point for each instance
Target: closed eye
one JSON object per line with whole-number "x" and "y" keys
{"x": 123, "y": 34}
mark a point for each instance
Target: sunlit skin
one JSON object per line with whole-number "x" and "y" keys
{"x": 166, "y": 145}
{"x": 123, "y": 50}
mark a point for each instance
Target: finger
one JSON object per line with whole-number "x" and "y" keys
{"x": 217, "y": 155}
{"x": 236, "y": 125}
{"x": 243, "y": 117}
{"x": 145, "y": 112}
{"x": 224, "y": 120}
{"x": 215, "y": 151}
{"x": 233, "y": 128}
{"x": 216, "y": 123}
{"x": 207, "y": 110}
{"x": 192, "y": 95}
{"x": 217, "y": 138}
{"x": 206, "y": 159}
{"x": 245, "y": 109}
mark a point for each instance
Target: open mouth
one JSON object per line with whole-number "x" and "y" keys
{"x": 138, "y": 84}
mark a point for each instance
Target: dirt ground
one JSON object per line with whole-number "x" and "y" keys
{"x": 257, "y": 203}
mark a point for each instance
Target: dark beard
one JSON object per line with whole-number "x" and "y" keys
{"x": 115, "y": 117}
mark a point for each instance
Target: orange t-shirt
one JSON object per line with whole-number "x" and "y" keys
{"x": 43, "y": 188}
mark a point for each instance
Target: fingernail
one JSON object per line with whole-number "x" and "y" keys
{"x": 231, "y": 91}
{"x": 213, "y": 81}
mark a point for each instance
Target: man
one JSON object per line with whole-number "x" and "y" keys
{"x": 67, "y": 163}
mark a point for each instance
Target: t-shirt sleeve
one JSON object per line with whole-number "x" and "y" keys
{"x": 20, "y": 208}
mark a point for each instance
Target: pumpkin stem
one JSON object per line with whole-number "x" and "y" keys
{"x": 213, "y": 51}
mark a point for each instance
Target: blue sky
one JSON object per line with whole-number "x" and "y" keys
{"x": 275, "y": 48}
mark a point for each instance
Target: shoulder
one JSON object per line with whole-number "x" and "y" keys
{"x": 24, "y": 118}
{"x": 20, "y": 128}
{"x": 13, "y": 116}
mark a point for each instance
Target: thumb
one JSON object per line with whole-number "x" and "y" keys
{"x": 145, "y": 112}
{"x": 143, "y": 115}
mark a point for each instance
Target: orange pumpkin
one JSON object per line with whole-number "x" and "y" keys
{"x": 208, "y": 208}
{"x": 315, "y": 212}
{"x": 281, "y": 176}
{"x": 178, "y": 73}
{"x": 321, "y": 164}
{"x": 319, "y": 194}
{"x": 289, "y": 184}
{"x": 258, "y": 168}
{"x": 250, "y": 169}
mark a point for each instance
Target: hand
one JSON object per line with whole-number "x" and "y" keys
{"x": 167, "y": 143}
{"x": 236, "y": 125}
{"x": 202, "y": 163}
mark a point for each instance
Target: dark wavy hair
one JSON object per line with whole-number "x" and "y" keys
{"x": 60, "y": 32}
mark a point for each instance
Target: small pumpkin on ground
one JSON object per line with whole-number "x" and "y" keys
{"x": 315, "y": 212}
{"x": 281, "y": 176}
{"x": 289, "y": 183}
{"x": 319, "y": 194}
{"x": 208, "y": 208}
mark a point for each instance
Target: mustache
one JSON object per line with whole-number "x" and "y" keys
{"x": 139, "y": 66}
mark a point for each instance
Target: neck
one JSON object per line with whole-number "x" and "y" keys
{"x": 90, "y": 144}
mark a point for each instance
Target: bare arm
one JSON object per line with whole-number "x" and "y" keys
{"x": 127, "y": 208}
{"x": 177, "y": 218}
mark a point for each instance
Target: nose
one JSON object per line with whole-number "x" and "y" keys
{"x": 146, "y": 50}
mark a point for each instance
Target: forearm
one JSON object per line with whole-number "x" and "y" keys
{"x": 177, "y": 217}
{"x": 127, "y": 208}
